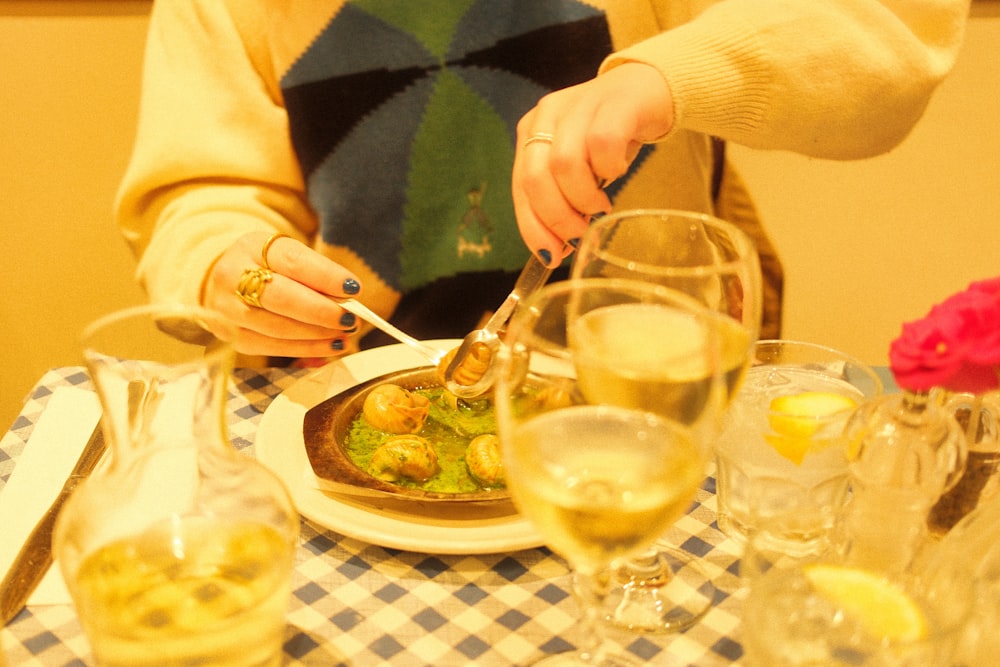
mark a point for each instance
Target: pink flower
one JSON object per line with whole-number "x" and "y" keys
{"x": 956, "y": 346}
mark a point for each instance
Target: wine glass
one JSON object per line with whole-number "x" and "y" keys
{"x": 607, "y": 392}
{"x": 714, "y": 262}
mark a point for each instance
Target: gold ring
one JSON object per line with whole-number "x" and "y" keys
{"x": 252, "y": 284}
{"x": 267, "y": 246}
{"x": 541, "y": 137}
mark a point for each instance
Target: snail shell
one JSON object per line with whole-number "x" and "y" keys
{"x": 404, "y": 456}
{"x": 391, "y": 408}
{"x": 473, "y": 366}
{"x": 485, "y": 462}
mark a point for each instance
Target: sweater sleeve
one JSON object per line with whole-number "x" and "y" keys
{"x": 211, "y": 160}
{"x": 839, "y": 79}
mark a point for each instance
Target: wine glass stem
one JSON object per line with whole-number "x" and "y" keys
{"x": 647, "y": 566}
{"x": 591, "y": 590}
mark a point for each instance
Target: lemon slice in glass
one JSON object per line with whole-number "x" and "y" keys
{"x": 884, "y": 609}
{"x": 795, "y": 418}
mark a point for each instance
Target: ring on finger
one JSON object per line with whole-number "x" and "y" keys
{"x": 251, "y": 286}
{"x": 267, "y": 246}
{"x": 539, "y": 137}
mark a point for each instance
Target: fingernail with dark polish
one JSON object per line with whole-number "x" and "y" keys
{"x": 351, "y": 286}
{"x": 348, "y": 319}
{"x": 337, "y": 345}
{"x": 545, "y": 256}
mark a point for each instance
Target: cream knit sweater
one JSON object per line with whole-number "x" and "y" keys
{"x": 838, "y": 79}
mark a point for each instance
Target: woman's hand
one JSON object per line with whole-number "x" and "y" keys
{"x": 296, "y": 316}
{"x": 585, "y": 136}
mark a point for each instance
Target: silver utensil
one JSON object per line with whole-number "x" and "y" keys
{"x": 533, "y": 275}
{"x": 35, "y": 557}
{"x": 353, "y": 306}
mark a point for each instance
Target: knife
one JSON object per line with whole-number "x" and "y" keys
{"x": 35, "y": 557}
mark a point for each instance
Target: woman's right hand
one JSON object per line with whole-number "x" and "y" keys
{"x": 574, "y": 142}
{"x": 296, "y": 316}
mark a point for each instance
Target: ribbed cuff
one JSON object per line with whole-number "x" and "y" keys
{"x": 716, "y": 77}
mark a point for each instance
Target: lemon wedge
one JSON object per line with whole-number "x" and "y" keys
{"x": 884, "y": 609}
{"x": 793, "y": 449}
{"x": 796, "y": 417}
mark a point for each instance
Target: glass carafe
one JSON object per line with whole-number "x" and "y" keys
{"x": 905, "y": 451}
{"x": 178, "y": 549}
{"x": 979, "y": 417}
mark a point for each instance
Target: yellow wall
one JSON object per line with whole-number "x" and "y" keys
{"x": 866, "y": 244}
{"x": 69, "y": 75}
{"x": 869, "y": 245}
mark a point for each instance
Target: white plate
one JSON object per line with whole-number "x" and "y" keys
{"x": 410, "y": 526}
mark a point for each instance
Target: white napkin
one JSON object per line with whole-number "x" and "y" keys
{"x": 52, "y": 450}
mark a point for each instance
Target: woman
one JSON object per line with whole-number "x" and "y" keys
{"x": 384, "y": 139}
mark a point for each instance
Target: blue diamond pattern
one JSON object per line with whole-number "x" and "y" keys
{"x": 41, "y": 392}
{"x": 386, "y": 647}
{"x": 510, "y": 569}
{"x": 241, "y": 443}
{"x": 471, "y": 594}
{"x": 390, "y": 593}
{"x": 696, "y": 546}
{"x": 353, "y": 567}
{"x": 429, "y": 619}
{"x": 347, "y": 619}
{"x": 645, "y": 649}
{"x": 310, "y": 593}
{"x": 79, "y": 377}
{"x": 472, "y": 647}
{"x": 709, "y": 485}
{"x": 431, "y": 567}
{"x": 300, "y": 645}
{"x": 728, "y": 648}
{"x": 247, "y": 412}
{"x": 40, "y": 642}
{"x": 258, "y": 382}
{"x": 552, "y": 594}
{"x": 321, "y": 544}
{"x": 20, "y": 423}
{"x": 556, "y": 645}
{"x": 513, "y": 619}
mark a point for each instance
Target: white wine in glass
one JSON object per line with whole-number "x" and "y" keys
{"x": 603, "y": 432}
{"x": 713, "y": 262}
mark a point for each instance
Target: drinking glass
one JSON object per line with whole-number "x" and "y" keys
{"x": 714, "y": 262}
{"x": 606, "y": 393}
{"x": 811, "y": 607}
{"x": 782, "y": 456}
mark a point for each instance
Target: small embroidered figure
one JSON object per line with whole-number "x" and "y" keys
{"x": 474, "y": 230}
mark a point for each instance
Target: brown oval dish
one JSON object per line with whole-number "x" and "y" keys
{"x": 325, "y": 428}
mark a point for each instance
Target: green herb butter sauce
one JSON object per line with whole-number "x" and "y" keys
{"x": 448, "y": 429}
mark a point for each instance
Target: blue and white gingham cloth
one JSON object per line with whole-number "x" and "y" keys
{"x": 358, "y": 604}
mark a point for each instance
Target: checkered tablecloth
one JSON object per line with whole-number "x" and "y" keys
{"x": 358, "y": 604}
